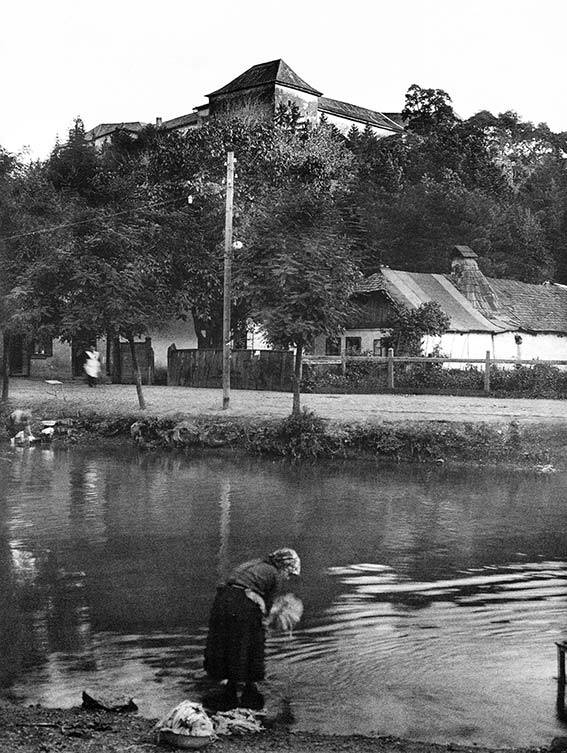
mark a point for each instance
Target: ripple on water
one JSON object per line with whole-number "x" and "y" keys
{"x": 452, "y": 604}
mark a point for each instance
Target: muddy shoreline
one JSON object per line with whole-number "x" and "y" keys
{"x": 29, "y": 729}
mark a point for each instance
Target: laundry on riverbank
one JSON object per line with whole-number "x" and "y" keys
{"x": 190, "y": 720}
{"x": 236, "y": 722}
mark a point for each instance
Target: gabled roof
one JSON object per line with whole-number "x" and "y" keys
{"x": 535, "y": 308}
{"x": 356, "y": 113}
{"x": 515, "y": 306}
{"x": 105, "y": 129}
{"x": 412, "y": 289}
{"x": 273, "y": 72}
{"x": 182, "y": 121}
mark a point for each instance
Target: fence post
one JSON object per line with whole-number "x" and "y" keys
{"x": 390, "y": 368}
{"x": 487, "y": 373}
{"x": 343, "y": 356}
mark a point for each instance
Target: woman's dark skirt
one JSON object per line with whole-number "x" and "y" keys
{"x": 235, "y": 643}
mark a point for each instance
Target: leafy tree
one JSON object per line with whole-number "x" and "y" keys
{"x": 72, "y": 166}
{"x": 427, "y": 110}
{"x": 7, "y": 167}
{"x": 427, "y": 219}
{"x": 517, "y": 246}
{"x": 28, "y": 205}
{"x": 271, "y": 158}
{"x": 409, "y": 327}
{"x": 300, "y": 274}
{"x": 115, "y": 276}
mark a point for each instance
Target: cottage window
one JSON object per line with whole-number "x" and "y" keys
{"x": 379, "y": 349}
{"x": 42, "y": 347}
{"x": 353, "y": 346}
{"x": 333, "y": 346}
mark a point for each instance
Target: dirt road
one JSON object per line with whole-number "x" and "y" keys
{"x": 120, "y": 399}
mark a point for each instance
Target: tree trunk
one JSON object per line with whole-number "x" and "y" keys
{"x": 297, "y": 379}
{"x": 5, "y": 367}
{"x": 114, "y": 361}
{"x": 137, "y": 373}
{"x": 208, "y": 331}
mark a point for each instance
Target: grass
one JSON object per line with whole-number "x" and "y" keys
{"x": 116, "y": 400}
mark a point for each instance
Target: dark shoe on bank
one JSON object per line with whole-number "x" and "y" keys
{"x": 223, "y": 701}
{"x": 252, "y": 699}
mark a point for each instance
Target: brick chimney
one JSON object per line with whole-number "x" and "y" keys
{"x": 462, "y": 258}
{"x": 468, "y": 278}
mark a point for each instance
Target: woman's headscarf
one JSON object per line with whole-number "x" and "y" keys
{"x": 286, "y": 560}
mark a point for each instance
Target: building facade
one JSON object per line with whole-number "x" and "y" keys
{"x": 508, "y": 318}
{"x": 258, "y": 93}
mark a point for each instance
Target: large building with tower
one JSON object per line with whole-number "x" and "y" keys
{"x": 258, "y": 93}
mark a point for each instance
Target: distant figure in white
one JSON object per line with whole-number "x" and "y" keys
{"x": 92, "y": 366}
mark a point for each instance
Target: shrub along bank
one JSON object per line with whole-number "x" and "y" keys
{"x": 310, "y": 437}
{"x": 365, "y": 377}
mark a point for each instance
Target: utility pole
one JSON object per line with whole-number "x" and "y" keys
{"x": 227, "y": 280}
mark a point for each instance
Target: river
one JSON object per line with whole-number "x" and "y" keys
{"x": 433, "y": 597}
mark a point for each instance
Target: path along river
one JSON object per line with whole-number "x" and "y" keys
{"x": 433, "y": 597}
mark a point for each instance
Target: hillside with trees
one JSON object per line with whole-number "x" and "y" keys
{"x": 106, "y": 241}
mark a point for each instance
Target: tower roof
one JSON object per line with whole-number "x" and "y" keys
{"x": 275, "y": 71}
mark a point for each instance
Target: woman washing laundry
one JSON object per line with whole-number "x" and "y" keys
{"x": 236, "y": 639}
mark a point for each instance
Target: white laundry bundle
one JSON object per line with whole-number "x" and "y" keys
{"x": 236, "y": 722}
{"x": 286, "y": 612}
{"x": 188, "y": 718}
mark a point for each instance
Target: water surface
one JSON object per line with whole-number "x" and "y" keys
{"x": 433, "y": 598}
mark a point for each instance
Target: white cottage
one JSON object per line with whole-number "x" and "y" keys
{"x": 510, "y": 319}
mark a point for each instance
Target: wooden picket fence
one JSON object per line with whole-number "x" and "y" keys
{"x": 273, "y": 369}
{"x": 249, "y": 369}
{"x": 391, "y": 360}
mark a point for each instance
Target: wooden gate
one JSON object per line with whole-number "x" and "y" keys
{"x": 249, "y": 369}
{"x": 145, "y": 357}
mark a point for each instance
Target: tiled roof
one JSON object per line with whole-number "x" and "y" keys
{"x": 276, "y": 71}
{"x": 356, "y": 113}
{"x": 515, "y": 305}
{"x": 412, "y": 289}
{"x": 476, "y": 288}
{"x": 396, "y": 117}
{"x": 536, "y": 308}
{"x": 105, "y": 129}
{"x": 181, "y": 121}
{"x": 465, "y": 252}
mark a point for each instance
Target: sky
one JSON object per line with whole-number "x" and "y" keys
{"x": 119, "y": 60}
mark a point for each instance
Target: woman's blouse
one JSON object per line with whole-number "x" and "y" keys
{"x": 259, "y": 576}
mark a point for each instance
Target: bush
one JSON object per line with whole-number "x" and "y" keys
{"x": 362, "y": 377}
{"x": 538, "y": 381}
{"x": 297, "y": 437}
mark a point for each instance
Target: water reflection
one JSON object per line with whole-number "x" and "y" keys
{"x": 431, "y": 596}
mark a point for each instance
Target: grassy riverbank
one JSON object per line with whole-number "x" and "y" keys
{"x": 120, "y": 399}
{"x": 35, "y": 729}
{"x": 401, "y": 428}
